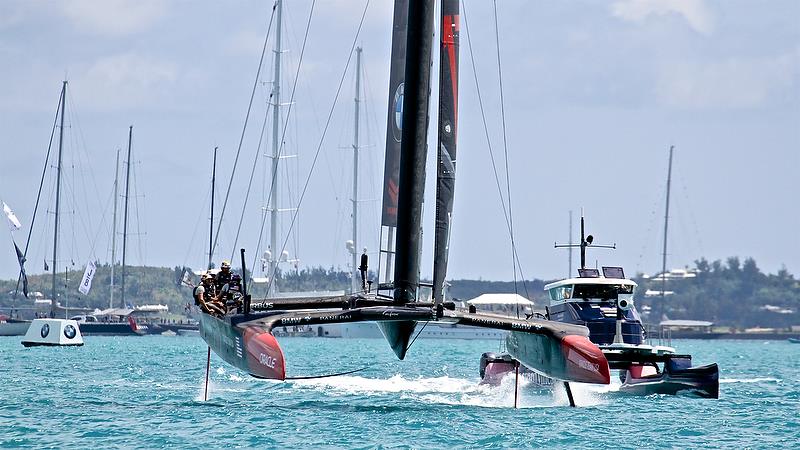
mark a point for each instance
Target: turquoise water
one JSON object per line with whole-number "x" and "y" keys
{"x": 147, "y": 392}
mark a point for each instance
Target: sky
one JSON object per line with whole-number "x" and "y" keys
{"x": 594, "y": 93}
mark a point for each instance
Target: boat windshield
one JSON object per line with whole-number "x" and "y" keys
{"x": 601, "y": 291}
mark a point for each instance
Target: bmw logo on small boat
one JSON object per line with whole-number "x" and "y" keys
{"x": 69, "y": 331}
{"x": 398, "y": 112}
{"x": 45, "y": 330}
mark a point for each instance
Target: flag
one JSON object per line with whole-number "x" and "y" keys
{"x": 88, "y": 274}
{"x": 21, "y": 259}
{"x": 186, "y": 279}
{"x": 13, "y": 222}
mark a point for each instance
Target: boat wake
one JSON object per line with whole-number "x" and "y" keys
{"x": 457, "y": 391}
{"x": 750, "y": 380}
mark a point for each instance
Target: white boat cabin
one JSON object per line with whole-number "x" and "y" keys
{"x": 592, "y": 286}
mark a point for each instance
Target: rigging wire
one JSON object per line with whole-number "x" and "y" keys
{"x": 39, "y": 193}
{"x": 489, "y": 147}
{"x": 244, "y": 128}
{"x": 196, "y": 225}
{"x": 250, "y": 181}
{"x": 276, "y": 254}
{"x": 417, "y": 335}
{"x": 327, "y": 123}
{"x": 505, "y": 148}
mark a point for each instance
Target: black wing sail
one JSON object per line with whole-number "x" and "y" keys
{"x": 413, "y": 148}
{"x": 394, "y": 129}
{"x": 448, "y": 126}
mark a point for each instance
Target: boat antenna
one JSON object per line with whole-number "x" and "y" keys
{"x": 586, "y": 241}
{"x": 58, "y": 197}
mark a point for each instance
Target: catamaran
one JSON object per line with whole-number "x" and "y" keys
{"x": 245, "y": 338}
{"x": 604, "y": 303}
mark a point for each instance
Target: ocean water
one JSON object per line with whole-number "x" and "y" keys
{"x": 147, "y": 392}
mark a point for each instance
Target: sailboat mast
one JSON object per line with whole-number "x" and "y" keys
{"x": 446, "y": 148}
{"x": 276, "y": 120}
{"x": 114, "y": 231}
{"x": 354, "y": 275}
{"x": 211, "y": 229}
{"x": 58, "y": 196}
{"x": 125, "y": 215}
{"x": 413, "y": 148}
{"x": 666, "y": 224}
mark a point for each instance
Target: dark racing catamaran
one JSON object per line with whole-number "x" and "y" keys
{"x": 604, "y": 303}
{"x": 244, "y": 339}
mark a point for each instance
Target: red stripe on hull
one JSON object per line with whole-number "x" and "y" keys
{"x": 264, "y": 355}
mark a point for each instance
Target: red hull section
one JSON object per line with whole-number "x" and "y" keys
{"x": 565, "y": 357}
{"x": 585, "y": 361}
{"x": 264, "y": 355}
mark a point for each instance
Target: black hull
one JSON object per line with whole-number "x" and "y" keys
{"x": 398, "y": 335}
{"x": 702, "y": 381}
{"x": 49, "y": 344}
{"x": 109, "y": 329}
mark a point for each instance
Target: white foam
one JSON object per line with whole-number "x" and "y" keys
{"x": 750, "y": 380}
{"x": 456, "y": 391}
{"x": 360, "y": 385}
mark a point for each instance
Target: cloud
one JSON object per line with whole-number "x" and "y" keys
{"x": 694, "y": 12}
{"x": 113, "y": 17}
{"x": 731, "y": 83}
{"x": 128, "y": 80}
{"x": 10, "y": 15}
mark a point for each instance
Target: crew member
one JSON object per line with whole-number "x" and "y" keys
{"x": 233, "y": 298}
{"x": 204, "y": 296}
{"x": 363, "y": 269}
{"x": 224, "y": 275}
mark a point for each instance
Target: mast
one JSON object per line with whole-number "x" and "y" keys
{"x": 114, "y": 231}
{"x": 211, "y": 230}
{"x": 408, "y": 191}
{"x": 276, "y": 119}
{"x": 446, "y": 150}
{"x": 394, "y": 129}
{"x": 413, "y": 148}
{"x": 666, "y": 224}
{"x": 125, "y": 219}
{"x": 58, "y": 195}
{"x": 354, "y": 274}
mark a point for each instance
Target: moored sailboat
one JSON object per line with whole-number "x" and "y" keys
{"x": 67, "y": 332}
